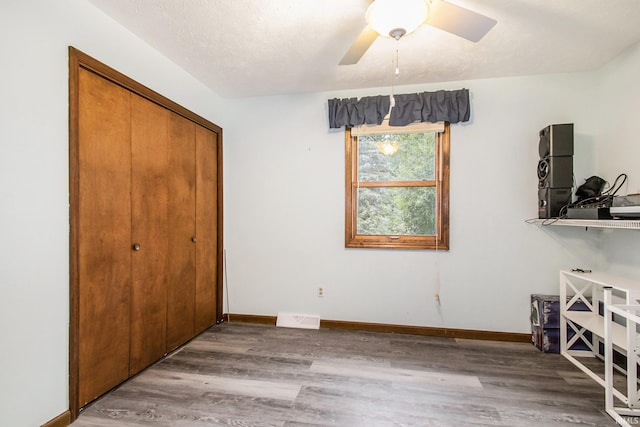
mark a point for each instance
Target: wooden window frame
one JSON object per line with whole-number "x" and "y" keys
{"x": 439, "y": 241}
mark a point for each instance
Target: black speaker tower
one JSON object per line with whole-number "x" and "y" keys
{"x": 555, "y": 169}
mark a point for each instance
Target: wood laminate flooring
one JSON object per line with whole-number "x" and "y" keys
{"x": 239, "y": 374}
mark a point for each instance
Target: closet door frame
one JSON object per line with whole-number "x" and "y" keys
{"x": 79, "y": 60}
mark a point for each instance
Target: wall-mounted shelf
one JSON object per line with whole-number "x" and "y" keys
{"x": 631, "y": 224}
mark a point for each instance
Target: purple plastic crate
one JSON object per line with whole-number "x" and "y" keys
{"x": 545, "y": 324}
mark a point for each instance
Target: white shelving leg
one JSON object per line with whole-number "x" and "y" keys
{"x": 595, "y": 307}
{"x": 608, "y": 357}
{"x": 632, "y": 361}
{"x": 563, "y": 308}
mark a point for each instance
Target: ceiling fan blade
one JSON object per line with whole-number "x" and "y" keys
{"x": 459, "y": 21}
{"x": 359, "y": 47}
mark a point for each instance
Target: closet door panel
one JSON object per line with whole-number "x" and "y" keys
{"x": 104, "y": 221}
{"x": 182, "y": 232}
{"x": 149, "y": 189}
{"x": 206, "y": 227}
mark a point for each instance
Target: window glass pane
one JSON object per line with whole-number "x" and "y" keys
{"x": 396, "y": 210}
{"x": 396, "y": 157}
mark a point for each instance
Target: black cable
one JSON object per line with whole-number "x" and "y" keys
{"x": 604, "y": 199}
{"x": 550, "y": 221}
{"x": 613, "y": 190}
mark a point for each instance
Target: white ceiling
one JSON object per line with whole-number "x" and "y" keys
{"x": 242, "y": 48}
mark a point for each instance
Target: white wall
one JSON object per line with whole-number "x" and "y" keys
{"x": 618, "y": 151}
{"x": 284, "y": 199}
{"x": 618, "y": 147}
{"x": 285, "y": 212}
{"x": 34, "y": 230}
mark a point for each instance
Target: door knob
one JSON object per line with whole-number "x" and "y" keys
{"x": 136, "y": 246}
{"x": 193, "y": 239}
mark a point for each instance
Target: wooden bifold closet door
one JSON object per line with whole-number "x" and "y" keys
{"x": 104, "y": 258}
{"x": 181, "y": 273}
{"x": 145, "y": 239}
{"x": 207, "y": 228}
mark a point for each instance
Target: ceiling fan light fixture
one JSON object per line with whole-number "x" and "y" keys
{"x": 386, "y": 17}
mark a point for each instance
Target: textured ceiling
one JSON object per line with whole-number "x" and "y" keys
{"x": 242, "y": 48}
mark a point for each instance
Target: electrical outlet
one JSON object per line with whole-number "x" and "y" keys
{"x": 320, "y": 292}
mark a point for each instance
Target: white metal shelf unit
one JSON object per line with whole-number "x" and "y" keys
{"x": 589, "y": 326}
{"x": 630, "y": 315}
{"x": 590, "y": 223}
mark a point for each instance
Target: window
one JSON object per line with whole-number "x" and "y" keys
{"x": 397, "y": 186}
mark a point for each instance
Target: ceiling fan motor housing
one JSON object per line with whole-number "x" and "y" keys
{"x": 386, "y": 17}
{"x": 396, "y": 33}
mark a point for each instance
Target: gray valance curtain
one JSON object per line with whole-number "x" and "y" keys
{"x": 440, "y": 106}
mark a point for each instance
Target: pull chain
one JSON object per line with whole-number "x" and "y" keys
{"x": 397, "y": 62}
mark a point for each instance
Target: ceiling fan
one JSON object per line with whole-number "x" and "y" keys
{"x": 397, "y": 18}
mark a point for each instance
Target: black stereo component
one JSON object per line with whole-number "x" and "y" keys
{"x": 556, "y": 140}
{"x": 555, "y": 172}
{"x": 588, "y": 213}
{"x": 555, "y": 169}
{"x": 552, "y": 200}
